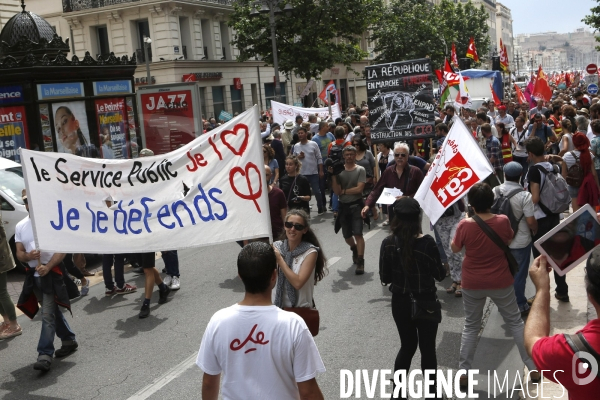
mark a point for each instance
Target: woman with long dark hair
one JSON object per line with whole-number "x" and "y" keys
{"x": 295, "y": 186}
{"x": 300, "y": 260}
{"x": 70, "y": 135}
{"x": 415, "y": 264}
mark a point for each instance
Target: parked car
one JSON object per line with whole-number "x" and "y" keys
{"x": 12, "y": 207}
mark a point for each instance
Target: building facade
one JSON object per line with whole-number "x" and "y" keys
{"x": 189, "y": 40}
{"x": 504, "y": 31}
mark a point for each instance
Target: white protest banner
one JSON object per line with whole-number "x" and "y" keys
{"x": 283, "y": 112}
{"x": 208, "y": 191}
{"x": 450, "y": 175}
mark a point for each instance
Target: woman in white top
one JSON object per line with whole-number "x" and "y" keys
{"x": 566, "y": 142}
{"x": 301, "y": 263}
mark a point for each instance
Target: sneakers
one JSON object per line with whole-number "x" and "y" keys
{"x": 360, "y": 267}
{"x": 85, "y": 289}
{"x": 163, "y": 294}
{"x": 145, "y": 311}
{"x": 175, "y": 283}
{"x": 126, "y": 289}
{"x": 167, "y": 280}
{"x": 110, "y": 292}
{"x": 562, "y": 297}
{"x": 42, "y": 365}
{"x": 66, "y": 349}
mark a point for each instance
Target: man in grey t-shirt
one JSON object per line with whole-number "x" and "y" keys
{"x": 349, "y": 185}
{"x": 309, "y": 154}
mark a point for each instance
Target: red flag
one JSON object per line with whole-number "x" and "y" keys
{"x": 495, "y": 96}
{"x": 520, "y": 94}
{"x": 472, "y": 51}
{"x": 507, "y": 60}
{"x": 453, "y": 56}
{"x": 542, "y": 90}
{"x": 332, "y": 90}
{"x": 503, "y": 58}
{"x": 450, "y": 76}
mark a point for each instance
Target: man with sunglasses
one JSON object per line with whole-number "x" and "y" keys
{"x": 349, "y": 185}
{"x": 541, "y": 130}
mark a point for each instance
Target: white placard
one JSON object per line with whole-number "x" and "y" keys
{"x": 283, "y": 112}
{"x": 208, "y": 191}
{"x": 388, "y": 196}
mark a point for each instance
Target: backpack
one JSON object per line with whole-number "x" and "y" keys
{"x": 502, "y": 206}
{"x": 575, "y": 173}
{"x": 554, "y": 195}
{"x": 335, "y": 153}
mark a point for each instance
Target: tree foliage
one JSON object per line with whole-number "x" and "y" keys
{"x": 593, "y": 21}
{"x": 410, "y": 29}
{"x": 318, "y": 35}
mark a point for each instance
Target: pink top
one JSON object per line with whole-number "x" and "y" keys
{"x": 485, "y": 265}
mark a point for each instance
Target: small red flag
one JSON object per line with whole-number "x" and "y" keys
{"x": 495, "y": 96}
{"x": 472, "y": 51}
{"x": 542, "y": 90}
{"x": 520, "y": 95}
{"x": 453, "y": 56}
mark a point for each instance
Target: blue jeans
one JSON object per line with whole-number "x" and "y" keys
{"x": 313, "y": 180}
{"x": 171, "y": 262}
{"x": 523, "y": 257}
{"x": 438, "y": 241}
{"x": 335, "y": 200}
{"x": 119, "y": 263}
{"x": 53, "y": 322}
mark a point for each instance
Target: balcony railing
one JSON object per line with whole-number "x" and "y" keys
{"x": 79, "y": 5}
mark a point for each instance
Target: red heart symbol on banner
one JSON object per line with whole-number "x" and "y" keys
{"x": 239, "y": 128}
{"x": 246, "y": 173}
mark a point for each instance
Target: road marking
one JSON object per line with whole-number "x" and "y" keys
{"x": 372, "y": 233}
{"x": 164, "y": 380}
{"x": 332, "y": 261}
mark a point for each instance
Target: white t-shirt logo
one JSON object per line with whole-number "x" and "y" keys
{"x": 236, "y": 344}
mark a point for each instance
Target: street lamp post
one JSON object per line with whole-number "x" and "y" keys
{"x": 272, "y": 7}
{"x": 147, "y": 42}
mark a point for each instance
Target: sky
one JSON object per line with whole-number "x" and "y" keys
{"x": 550, "y": 15}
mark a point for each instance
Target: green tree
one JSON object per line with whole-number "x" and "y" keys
{"x": 318, "y": 35}
{"x": 415, "y": 29}
{"x": 593, "y": 21}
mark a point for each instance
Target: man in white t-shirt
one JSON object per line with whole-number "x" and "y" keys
{"x": 262, "y": 351}
{"x": 44, "y": 284}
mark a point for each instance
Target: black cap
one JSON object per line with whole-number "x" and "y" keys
{"x": 407, "y": 208}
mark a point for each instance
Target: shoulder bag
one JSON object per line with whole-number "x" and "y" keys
{"x": 310, "y": 315}
{"x": 513, "y": 266}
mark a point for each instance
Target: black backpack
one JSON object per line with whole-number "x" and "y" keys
{"x": 575, "y": 173}
{"x": 502, "y": 205}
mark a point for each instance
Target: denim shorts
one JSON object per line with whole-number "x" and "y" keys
{"x": 351, "y": 221}
{"x": 573, "y": 191}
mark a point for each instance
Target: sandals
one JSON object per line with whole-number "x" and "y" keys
{"x": 9, "y": 333}
{"x": 458, "y": 291}
{"x": 452, "y": 289}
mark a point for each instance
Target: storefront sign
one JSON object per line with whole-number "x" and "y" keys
{"x": 112, "y": 130}
{"x": 400, "y": 98}
{"x": 201, "y": 76}
{"x": 13, "y": 132}
{"x": 60, "y": 90}
{"x": 11, "y": 94}
{"x": 168, "y": 120}
{"x": 237, "y": 83}
{"x": 112, "y": 87}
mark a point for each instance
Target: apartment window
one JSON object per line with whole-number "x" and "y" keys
{"x": 142, "y": 30}
{"x": 237, "y": 100}
{"x": 102, "y": 41}
{"x": 270, "y": 93}
{"x": 207, "y": 39}
{"x": 184, "y": 32}
{"x": 218, "y": 99}
{"x": 203, "y": 102}
{"x": 225, "y": 41}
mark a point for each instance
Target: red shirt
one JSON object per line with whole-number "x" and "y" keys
{"x": 485, "y": 265}
{"x": 553, "y": 354}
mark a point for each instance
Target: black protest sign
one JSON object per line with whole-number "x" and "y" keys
{"x": 400, "y": 98}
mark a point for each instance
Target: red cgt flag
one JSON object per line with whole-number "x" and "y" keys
{"x": 495, "y": 96}
{"x": 453, "y": 57}
{"x": 542, "y": 90}
{"x": 520, "y": 95}
{"x": 330, "y": 87}
{"x": 472, "y": 51}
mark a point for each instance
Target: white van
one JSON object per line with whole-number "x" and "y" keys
{"x": 12, "y": 207}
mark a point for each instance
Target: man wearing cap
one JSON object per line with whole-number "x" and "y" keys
{"x": 555, "y": 354}
{"x": 44, "y": 284}
{"x": 505, "y": 118}
{"x": 522, "y": 209}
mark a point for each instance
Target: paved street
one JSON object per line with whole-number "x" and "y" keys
{"x": 123, "y": 357}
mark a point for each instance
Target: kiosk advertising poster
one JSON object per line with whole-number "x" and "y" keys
{"x": 112, "y": 128}
{"x": 169, "y": 116}
{"x": 400, "y": 99}
{"x": 71, "y": 129}
{"x": 13, "y": 132}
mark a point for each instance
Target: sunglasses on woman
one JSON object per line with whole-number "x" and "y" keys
{"x": 298, "y": 227}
